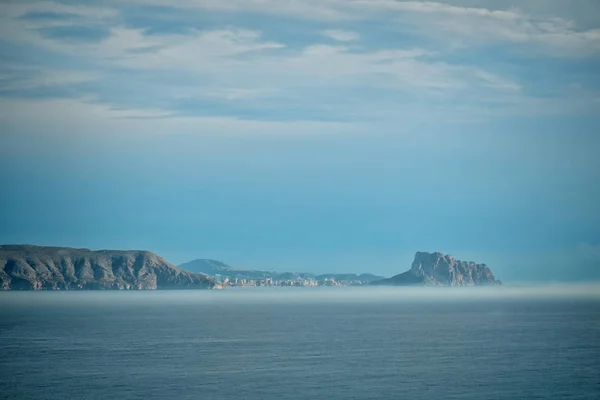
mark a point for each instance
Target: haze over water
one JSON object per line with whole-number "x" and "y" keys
{"x": 296, "y": 343}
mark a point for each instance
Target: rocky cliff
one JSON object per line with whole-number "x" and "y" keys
{"x": 25, "y": 267}
{"x": 437, "y": 269}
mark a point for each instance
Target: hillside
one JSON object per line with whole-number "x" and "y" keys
{"x": 26, "y": 267}
{"x": 214, "y": 267}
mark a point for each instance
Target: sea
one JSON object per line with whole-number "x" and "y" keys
{"x": 302, "y": 343}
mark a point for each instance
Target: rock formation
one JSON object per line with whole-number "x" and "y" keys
{"x": 437, "y": 269}
{"x": 25, "y": 267}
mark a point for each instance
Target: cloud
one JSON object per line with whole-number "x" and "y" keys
{"x": 341, "y": 35}
{"x": 52, "y": 8}
{"x": 241, "y": 57}
{"x": 497, "y": 82}
{"x": 321, "y": 10}
{"x": 23, "y": 78}
{"x": 446, "y": 22}
{"x": 28, "y": 23}
{"x": 551, "y": 35}
{"x": 85, "y": 116}
{"x": 226, "y": 70}
{"x": 237, "y": 93}
{"x": 135, "y": 48}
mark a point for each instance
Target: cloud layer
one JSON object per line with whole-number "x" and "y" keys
{"x": 321, "y": 62}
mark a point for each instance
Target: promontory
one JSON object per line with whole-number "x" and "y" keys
{"x": 437, "y": 269}
{"x": 27, "y": 267}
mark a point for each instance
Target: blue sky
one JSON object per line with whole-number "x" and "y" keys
{"x": 331, "y": 135}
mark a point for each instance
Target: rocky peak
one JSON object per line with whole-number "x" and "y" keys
{"x": 440, "y": 269}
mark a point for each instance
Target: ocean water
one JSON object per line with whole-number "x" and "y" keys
{"x": 296, "y": 343}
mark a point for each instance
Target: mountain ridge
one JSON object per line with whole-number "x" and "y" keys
{"x": 213, "y": 267}
{"x": 30, "y": 267}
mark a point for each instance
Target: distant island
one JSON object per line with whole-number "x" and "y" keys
{"x": 230, "y": 276}
{"x": 26, "y": 267}
{"x": 437, "y": 269}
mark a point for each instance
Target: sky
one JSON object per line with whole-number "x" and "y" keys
{"x": 305, "y": 135}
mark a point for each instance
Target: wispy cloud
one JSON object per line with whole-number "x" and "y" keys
{"x": 195, "y": 50}
{"x": 549, "y": 34}
{"x": 51, "y": 9}
{"x": 552, "y": 34}
{"x": 23, "y": 79}
{"x": 341, "y": 35}
{"x": 432, "y": 60}
{"x": 84, "y": 116}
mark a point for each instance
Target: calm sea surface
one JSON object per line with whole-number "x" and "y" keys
{"x": 336, "y": 343}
